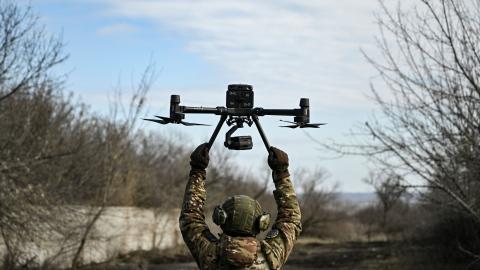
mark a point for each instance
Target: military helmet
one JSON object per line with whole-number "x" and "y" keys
{"x": 241, "y": 215}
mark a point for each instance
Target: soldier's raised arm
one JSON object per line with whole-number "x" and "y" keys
{"x": 280, "y": 240}
{"x": 195, "y": 232}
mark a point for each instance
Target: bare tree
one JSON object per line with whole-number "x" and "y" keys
{"x": 316, "y": 201}
{"x": 368, "y": 216}
{"x": 27, "y": 52}
{"x": 429, "y": 129}
{"x": 389, "y": 191}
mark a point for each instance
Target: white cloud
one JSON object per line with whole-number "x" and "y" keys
{"x": 309, "y": 47}
{"x": 117, "y": 29}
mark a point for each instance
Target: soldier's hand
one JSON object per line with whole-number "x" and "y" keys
{"x": 277, "y": 159}
{"x": 199, "y": 158}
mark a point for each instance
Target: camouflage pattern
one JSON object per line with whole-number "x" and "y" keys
{"x": 288, "y": 223}
{"x": 239, "y": 252}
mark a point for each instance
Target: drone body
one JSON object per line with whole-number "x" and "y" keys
{"x": 239, "y": 111}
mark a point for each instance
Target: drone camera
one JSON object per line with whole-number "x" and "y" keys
{"x": 239, "y": 143}
{"x": 240, "y": 96}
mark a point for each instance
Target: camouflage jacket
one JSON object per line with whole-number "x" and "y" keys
{"x": 239, "y": 252}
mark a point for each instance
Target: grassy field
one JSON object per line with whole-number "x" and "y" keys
{"x": 364, "y": 256}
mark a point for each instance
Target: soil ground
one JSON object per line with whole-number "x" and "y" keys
{"x": 335, "y": 256}
{"x": 363, "y": 256}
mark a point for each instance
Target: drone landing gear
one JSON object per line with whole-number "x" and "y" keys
{"x": 238, "y": 142}
{"x": 217, "y": 130}
{"x": 260, "y": 130}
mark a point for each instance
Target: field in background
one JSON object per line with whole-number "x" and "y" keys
{"x": 314, "y": 254}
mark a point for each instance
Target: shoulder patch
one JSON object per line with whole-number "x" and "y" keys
{"x": 210, "y": 237}
{"x": 272, "y": 234}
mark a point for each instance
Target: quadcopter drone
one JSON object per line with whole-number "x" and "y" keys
{"x": 239, "y": 111}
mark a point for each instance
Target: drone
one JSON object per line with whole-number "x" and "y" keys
{"x": 239, "y": 111}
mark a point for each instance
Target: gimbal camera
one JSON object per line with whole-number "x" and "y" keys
{"x": 239, "y": 111}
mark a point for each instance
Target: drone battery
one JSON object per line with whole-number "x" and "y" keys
{"x": 240, "y": 143}
{"x": 240, "y": 96}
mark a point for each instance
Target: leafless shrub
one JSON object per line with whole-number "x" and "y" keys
{"x": 389, "y": 191}
{"x": 317, "y": 202}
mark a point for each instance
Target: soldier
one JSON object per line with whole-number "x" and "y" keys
{"x": 241, "y": 219}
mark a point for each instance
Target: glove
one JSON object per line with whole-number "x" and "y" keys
{"x": 199, "y": 158}
{"x": 278, "y": 162}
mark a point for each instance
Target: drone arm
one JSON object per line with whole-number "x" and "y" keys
{"x": 202, "y": 110}
{"x": 301, "y": 115}
{"x": 260, "y": 130}
{"x": 284, "y": 112}
{"x": 218, "y": 110}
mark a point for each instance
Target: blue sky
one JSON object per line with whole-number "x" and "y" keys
{"x": 285, "y": 49}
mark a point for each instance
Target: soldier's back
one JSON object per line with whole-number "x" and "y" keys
{"x": 240, "y": 253}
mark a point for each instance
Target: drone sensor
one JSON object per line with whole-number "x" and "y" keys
{"x": 240, "y": 96}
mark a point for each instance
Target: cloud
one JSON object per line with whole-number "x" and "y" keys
{"x": 308, "y": 47}
{"x": 117, "y": 29}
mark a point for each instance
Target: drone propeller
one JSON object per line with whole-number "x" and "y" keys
{"x": 192, "y": 124}
{"x": 303, "y": 125}
{"x": 156, "y": 121}
{"x": 288, "y": 122}
{"x": 165, "y": 120}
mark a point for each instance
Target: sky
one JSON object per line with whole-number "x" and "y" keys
{"x": 285, "y": 49}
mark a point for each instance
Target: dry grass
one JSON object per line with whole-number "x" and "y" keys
{"x": 312, "y": 253}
